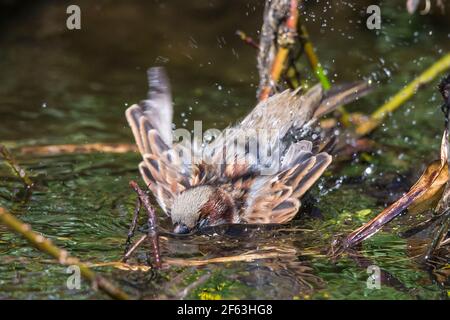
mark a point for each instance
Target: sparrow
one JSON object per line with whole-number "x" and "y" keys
{"x": 232, "y": 183}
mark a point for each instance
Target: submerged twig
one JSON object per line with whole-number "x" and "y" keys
{"x": 130, "y": 251}
{"x": 403, "y": 95}
{"x": 249, "y": 256}
{"x": 45, "y": 245}
{"x": 11, "y": 161}
{"x": 422, "y": 193}
{"x": 430, "y": 192}
{"x": 133, "y": 225}
{"x": 245, "y": 257}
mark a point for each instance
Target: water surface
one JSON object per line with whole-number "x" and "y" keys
{"x": 72, "y": 87}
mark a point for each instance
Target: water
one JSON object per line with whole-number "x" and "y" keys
{"x": 61, "y": 87}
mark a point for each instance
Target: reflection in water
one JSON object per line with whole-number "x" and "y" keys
{"x": 263, "y": 258}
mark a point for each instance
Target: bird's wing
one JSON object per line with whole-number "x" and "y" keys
{"x": 278, "y": 122}
{"x": 151, "y": 123}
{"x": 167, "y": 168}
{"x": 284, "y": 110}
{"x": 292, "y": 110}
{"x": 275, "y": 199}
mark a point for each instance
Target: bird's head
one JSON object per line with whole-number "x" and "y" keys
{"x": 199, "y": 207}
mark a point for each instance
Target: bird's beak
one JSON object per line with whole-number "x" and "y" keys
{"x": 181, "y": 229}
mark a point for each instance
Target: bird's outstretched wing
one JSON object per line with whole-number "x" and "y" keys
{"x": 290, "y": 111}
{"x": 278, "y": 122}
{"x": 275, "y": 198}
{"x": 151, "y": 123}
{"x": 168, "y": 169}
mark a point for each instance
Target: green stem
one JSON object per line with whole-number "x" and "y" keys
{"x": 403, "y": 95}
{"x": 313, "y": 58}
{"x": 316, "y": 66}
{"x": 63, "y": 257}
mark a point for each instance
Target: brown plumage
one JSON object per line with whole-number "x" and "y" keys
{"x": 235, "y": 182}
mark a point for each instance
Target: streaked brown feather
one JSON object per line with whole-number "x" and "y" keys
{"x": 150, "y": 122}
{"x": 256, "y": 198}
{"x": 323, "y": 160}
{"x": 277, "y": 199}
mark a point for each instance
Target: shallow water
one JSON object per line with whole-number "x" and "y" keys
{"x": 60, "y": 87}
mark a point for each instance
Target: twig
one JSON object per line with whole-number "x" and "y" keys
{"x": 152, "y": 223}
{"x": 133, "y": 226}
{"x": 416, "y": 199}
{"x": 403, "y": 95}
{"x": 248, "y": 40}
{"x": 79, "y": 148}
{"x": 439, "y": 236}
{"x": 45, "y": 245}
{"x": 291, "y": 73}
{"x": 129, "y": 252}
{"x": 11, "y": 161}
{"x": 282, "y": 53}
{"x": 422, "y": 196}
{"x": 245, "y": 257}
